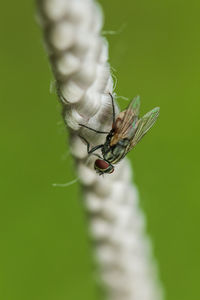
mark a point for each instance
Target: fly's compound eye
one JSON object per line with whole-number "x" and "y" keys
{"x": 101, "y": 167}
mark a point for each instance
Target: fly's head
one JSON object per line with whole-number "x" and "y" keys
{"x": 103, "y": 167}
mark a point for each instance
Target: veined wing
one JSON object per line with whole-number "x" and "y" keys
{"x": 143, "y": 126}
{"x": 126, "y": 121}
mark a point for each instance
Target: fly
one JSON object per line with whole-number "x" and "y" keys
{"x": 127, "y": 130}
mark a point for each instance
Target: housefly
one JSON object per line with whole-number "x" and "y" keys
{"x": 127, "y": 130}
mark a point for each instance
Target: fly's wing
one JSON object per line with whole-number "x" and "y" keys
{"x": 143, "y": 125}
{"x": 130, "y": 115}
{"x": 126, "y": 121}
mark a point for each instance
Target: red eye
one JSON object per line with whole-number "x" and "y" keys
{"x": 101, "y": 164}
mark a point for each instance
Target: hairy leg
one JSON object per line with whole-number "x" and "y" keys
{"x": 90, "y": 151}
{"x": 92, "y": 129}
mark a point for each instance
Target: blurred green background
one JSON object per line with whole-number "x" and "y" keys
{"x": 44, "y": 251}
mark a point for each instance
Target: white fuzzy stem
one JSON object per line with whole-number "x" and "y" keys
{"x": 78, "y": 56}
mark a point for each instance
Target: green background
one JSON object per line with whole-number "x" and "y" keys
{"x": 44, "y": 252}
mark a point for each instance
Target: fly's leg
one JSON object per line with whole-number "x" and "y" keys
{"x": 99, "y": 156}
{"x": 90, "y": 151}
{"x": 92, "y": 129}
{"x": 113, "y": 107}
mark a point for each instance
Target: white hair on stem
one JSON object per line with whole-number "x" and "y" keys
{"x": 78, "y": 55}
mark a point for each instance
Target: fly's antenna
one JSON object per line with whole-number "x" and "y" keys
{"x": 79, "y": 58}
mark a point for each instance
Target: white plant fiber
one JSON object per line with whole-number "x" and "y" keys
{"x": 79, "y": 59}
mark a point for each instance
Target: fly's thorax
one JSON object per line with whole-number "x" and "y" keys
{"x": 115, "y": 153}
{"x": 106, "y": 147}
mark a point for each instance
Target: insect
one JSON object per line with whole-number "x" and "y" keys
{"x": 127, "y": 130}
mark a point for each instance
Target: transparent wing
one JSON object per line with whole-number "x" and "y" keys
{"x": 126, "y": 121}
{"x": 143, "y": 126}
{"x": 130, "y": 115}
